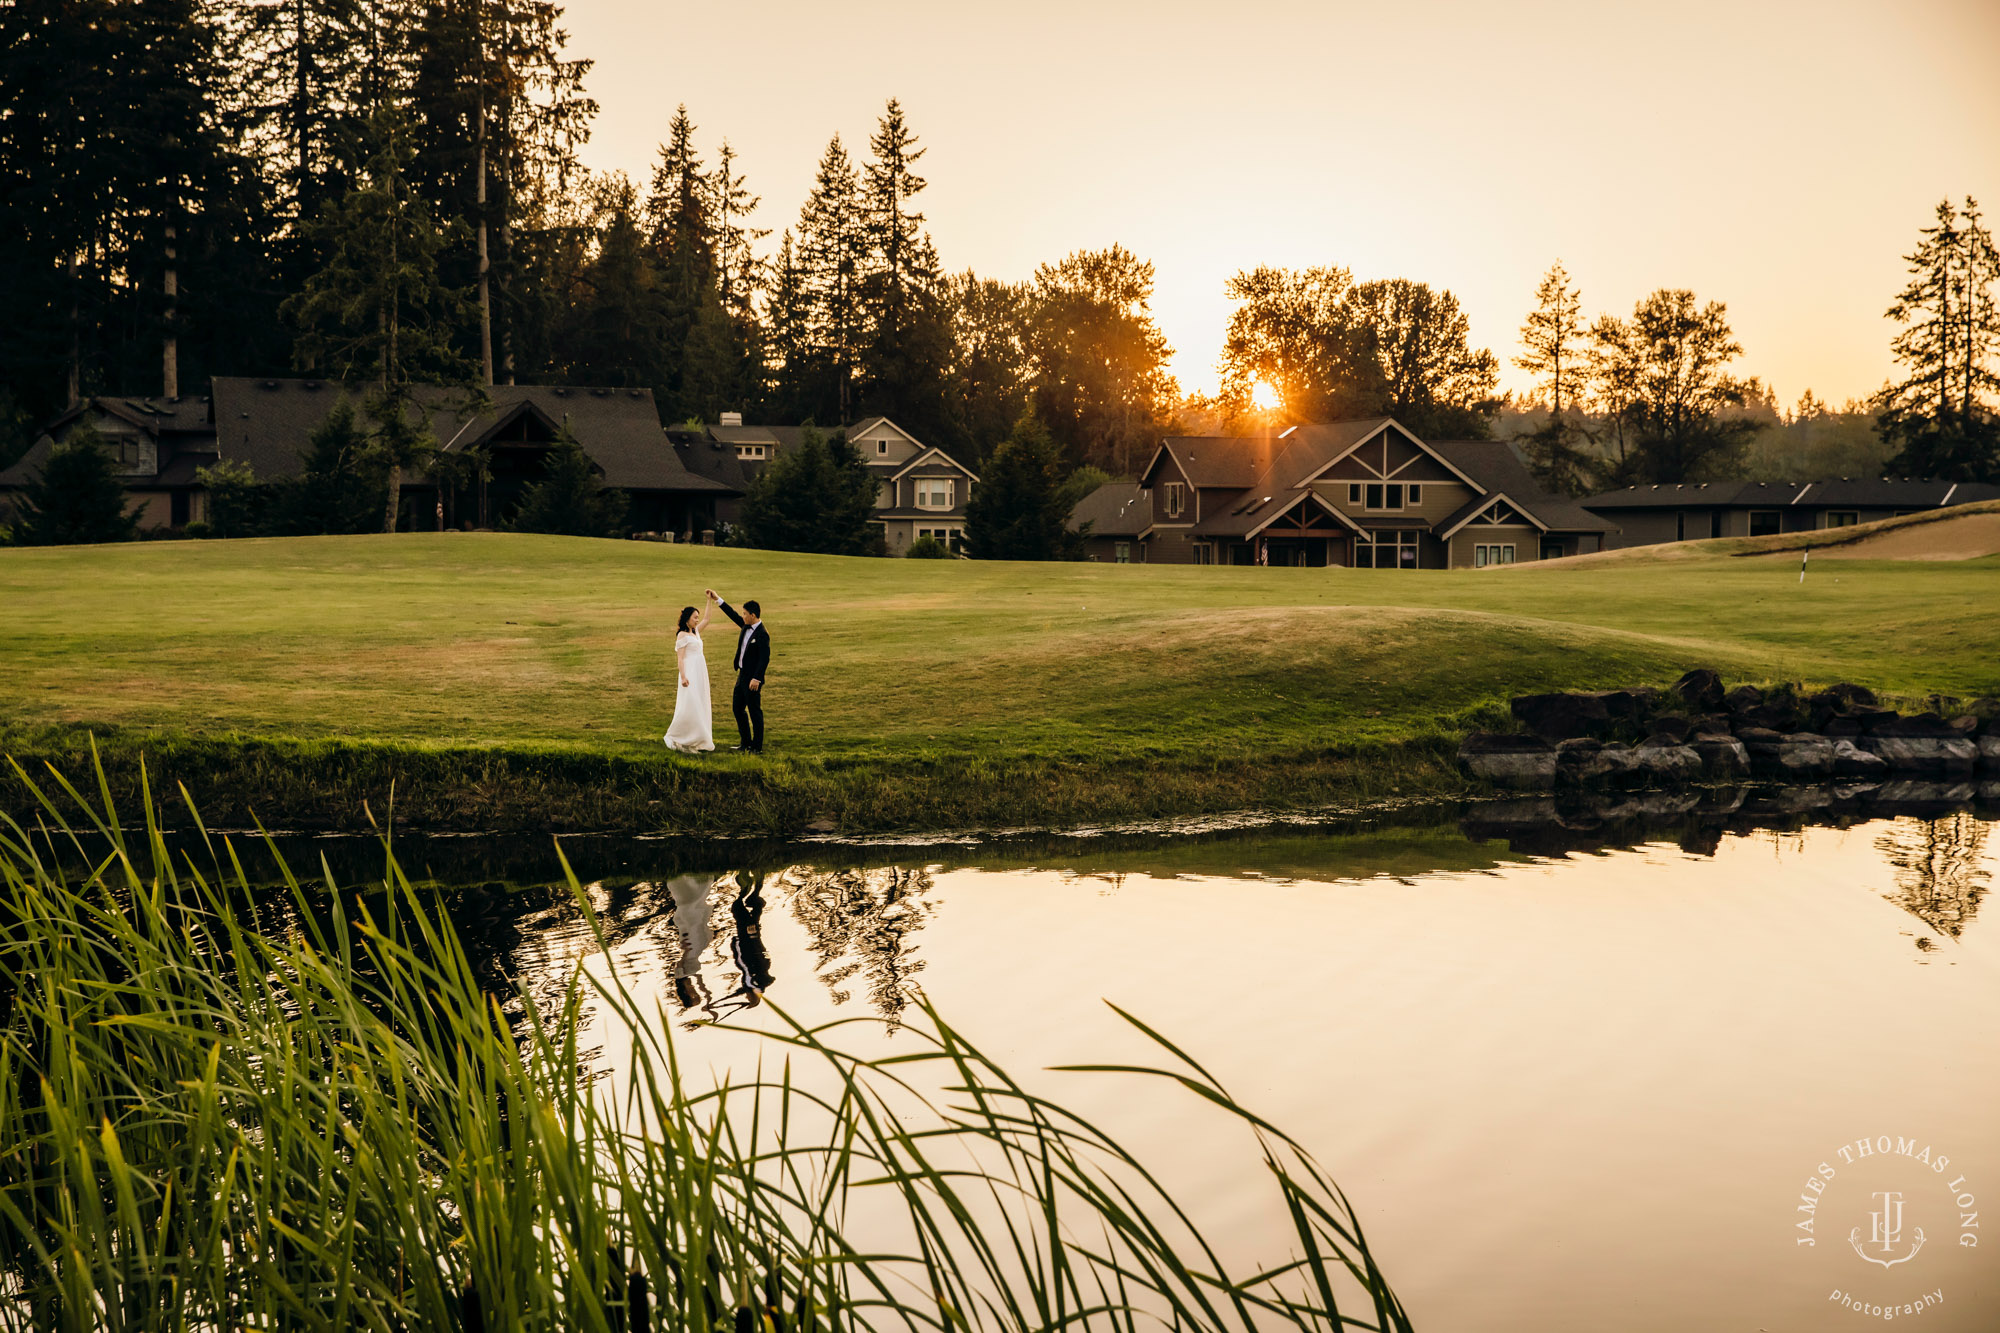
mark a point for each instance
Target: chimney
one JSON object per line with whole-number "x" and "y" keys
{"x": 731, "y": 419}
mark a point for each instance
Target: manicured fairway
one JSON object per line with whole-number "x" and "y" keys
{"x": 496, "y": 640}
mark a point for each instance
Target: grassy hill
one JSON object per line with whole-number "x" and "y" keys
{"x": 903, "y": 692}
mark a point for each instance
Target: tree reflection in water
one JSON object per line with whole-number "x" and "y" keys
{"x": 1938, "y": 871}
{"x": 860, "y": 922}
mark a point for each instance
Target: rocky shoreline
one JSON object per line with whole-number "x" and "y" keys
{"x": 1699, "y": 732}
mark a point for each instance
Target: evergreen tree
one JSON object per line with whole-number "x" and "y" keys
{"x": 788, "y": 336}
{"x": 817, "y": 498}
{"x": 1552, "y": 339}
{"x": 497, "y": 111}
{"x": 77, "y": 498}
{"x": 341, "y": 487}
{"x": 1938, "y": 414}
{"x": 1018, "y": 510}
{"x": 1099, "y": 362}
{"x": 831, "y": 250}
{"x": 571, "y": 499}
{"x": 907, "y": 346}
{"x": 738, "y": 269}
{"x": 379, "y": 309}
{"x": 1662, "y": 378}
{"x": 616, "y": 334}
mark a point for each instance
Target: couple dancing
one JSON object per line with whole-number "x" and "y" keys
{"x": 693, "y": 727}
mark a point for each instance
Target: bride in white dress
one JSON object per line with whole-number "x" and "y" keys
{"x": 693, "y": 727}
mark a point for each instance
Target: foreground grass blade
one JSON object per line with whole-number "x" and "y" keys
{"x": 221, "y": 1109}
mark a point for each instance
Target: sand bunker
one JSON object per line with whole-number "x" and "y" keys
{"x": 1967, "y": 537}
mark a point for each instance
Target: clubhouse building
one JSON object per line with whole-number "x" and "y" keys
{"x": 1646, "y": 515}
{"x": 1361, "y": 494}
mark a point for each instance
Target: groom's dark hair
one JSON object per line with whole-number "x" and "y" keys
{"x": 687, "y": 614}
{"x": 754, "y": 609}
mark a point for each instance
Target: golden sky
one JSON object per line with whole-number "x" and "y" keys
{"x": 1776, "y": 156}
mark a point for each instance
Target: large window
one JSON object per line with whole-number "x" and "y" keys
{"x": 1122, "y": 553}
{"x": 1482, "y": 556}
{"x": 1204, "y": 553}
{"x": 1389, "y": 495}
{"x": 1176, "y": 499}
{"x": 1388, "y": 550}
{"x": 1842, "y": 518}
{"x": 1763, "y": 522}
{"x": 935, "y": 492}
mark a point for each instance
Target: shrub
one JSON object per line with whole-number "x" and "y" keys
{"x": 928, "y": 548}
{"x": 570, "y": 500}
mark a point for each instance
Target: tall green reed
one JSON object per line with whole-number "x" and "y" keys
{"x": 226, "y": 1109}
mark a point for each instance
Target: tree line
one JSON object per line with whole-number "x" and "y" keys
{"x": 388, "y": 191}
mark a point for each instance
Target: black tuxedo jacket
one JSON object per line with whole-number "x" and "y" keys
{"x": 753, "y": 654}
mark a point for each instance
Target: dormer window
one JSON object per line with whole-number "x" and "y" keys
{"x": 750, "y": 451}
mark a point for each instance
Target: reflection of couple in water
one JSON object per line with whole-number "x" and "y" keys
{"x": 746, "y": 945}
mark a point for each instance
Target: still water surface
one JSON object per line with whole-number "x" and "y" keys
{"x": 1572, "y": 1078}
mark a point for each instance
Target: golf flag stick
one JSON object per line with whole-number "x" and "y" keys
{"x": 1802, "y": 564}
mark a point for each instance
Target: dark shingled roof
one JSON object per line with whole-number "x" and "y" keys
{"x": 268, "y": 424}
{"x": 1115, "y": 509}
{"x": 177, "y": 422}
{"x": 1495, "y": 466}
{"x": 1836, "y": 493}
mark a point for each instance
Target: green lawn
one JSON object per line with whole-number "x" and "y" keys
{"x": 488, "y": 640}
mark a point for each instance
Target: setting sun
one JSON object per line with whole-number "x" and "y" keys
{"x": 1264, "y": 396}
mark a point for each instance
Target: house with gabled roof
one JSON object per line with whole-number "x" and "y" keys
{"x": 267, "y": 425}
{"x": 1364, "y": 493}
{"x": 921, "y": 490}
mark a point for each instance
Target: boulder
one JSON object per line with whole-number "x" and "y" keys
{"x": 1772, "y": 716}
{"x": 1667, "y": 763}
{"x": 1923, "y": 724}
{"x": 1988, "y": 748}
{"x": 1714, "y": 724}
{"x": 1700, "y": 689}
{"x": 1987, "y": 709}
{"x": 1851, "y": 761}
{"x": 1871, "y": 718}
{"x": 1965, "y": 724}
{"x": 1509, "y": 760}
{"x": 1742, "y": 697}
{"x": 1669, "y": 728}
{"x": 1799, "y": 757}
{"x": 1562, "y": 717}
{"x": 1723, "y": 758}
{"x": 1923, "y": 755}
{"x": 1841, "y": 726}
{"x": 1851, "y": 696}
{"x": 1583, "y": 762}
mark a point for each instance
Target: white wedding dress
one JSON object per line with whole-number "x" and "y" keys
{"x": 693, "y": 726}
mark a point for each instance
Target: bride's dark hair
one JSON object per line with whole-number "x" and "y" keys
{"x": 687, "y": 614}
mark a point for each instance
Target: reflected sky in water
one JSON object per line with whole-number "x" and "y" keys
{"x": 1571, "y": 1065}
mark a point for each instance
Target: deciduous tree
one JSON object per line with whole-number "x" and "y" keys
{"x": 1662, "y": 378}
{"x": 1553, "y": 340}
{"x": 1098, "y": 361}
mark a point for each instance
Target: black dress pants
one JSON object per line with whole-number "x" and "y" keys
{"x": 748, "y": 705}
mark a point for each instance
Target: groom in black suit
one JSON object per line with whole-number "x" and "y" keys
{"x": 753, "y": 660}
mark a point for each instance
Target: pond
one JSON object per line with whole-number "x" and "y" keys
{"x": 1586, "y": 1068}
